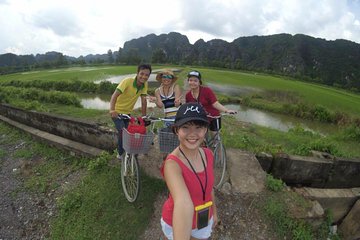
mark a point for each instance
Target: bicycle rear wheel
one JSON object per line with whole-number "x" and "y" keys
{"x": 219, "y": 165}
{"x": 130, "y": 177}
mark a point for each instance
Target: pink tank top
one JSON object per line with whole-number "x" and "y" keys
{"x": 193, "y": 186}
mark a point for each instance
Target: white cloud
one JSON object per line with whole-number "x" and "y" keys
{"x": 84, "y": 27}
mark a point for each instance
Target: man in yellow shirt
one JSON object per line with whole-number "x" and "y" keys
{"x": 124, "y": 98}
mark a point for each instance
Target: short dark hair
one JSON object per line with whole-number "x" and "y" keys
{"x": 144, "y": 66}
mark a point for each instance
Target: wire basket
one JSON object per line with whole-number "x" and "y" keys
{"x": 137, "y": 143}
{"x": 168, "y": 141}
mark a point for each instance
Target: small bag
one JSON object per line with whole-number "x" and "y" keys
{"x": 137, "y": 126}
{"x": 203, "y": 215}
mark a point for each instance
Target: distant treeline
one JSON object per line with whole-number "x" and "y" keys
{"x": 334, "y": 63}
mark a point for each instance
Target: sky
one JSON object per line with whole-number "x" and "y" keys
{"x": 77, "y": 27}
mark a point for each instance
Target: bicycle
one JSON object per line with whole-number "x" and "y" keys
{"x": 219, "y": 150}
{"x": 168, "y": 141}
{"x": 134, "y": 144}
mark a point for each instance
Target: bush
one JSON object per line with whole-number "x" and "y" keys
{"x": 100, "y": 162}
{"x": 352, "y": 133}
{"x": 321, "y": 114}
{"x": 324, "y": 145}
{"x": 274, "y": 184}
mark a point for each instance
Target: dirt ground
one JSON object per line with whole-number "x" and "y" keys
{"x": 23, "y": 215}
{"x": 26, "y": 215}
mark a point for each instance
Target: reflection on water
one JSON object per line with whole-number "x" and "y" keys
{"x": 278, "y": 121}
{"x": 102, "y": 102}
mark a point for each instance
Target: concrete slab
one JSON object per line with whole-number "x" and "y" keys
{"x": 339, "y": 201}
{"x": 345, "y": 173}
{"x": 308, "y": 171}
{"x": 54, "y": 140}
{"x": 350, "y": 227}
{"x": 246, "y": 174}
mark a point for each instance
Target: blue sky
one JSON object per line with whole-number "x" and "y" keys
{"x": 76, "y": 27}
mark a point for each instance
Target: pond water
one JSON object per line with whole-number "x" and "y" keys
{"x": 278, "y": 121}
{"x": 97, "y": 101}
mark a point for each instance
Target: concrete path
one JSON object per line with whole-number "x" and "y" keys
{"x": 245, "y": 172}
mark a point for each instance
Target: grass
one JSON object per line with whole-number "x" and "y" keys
{"x": 278, "y": 207}
{"x": 297, "y": 141}
{"x": 94, "y": 207}
{"x": 97, "y": 208}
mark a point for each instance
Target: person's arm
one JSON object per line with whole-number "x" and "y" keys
{"x": 143, "y": 104}
{"x": 158, "y": 101}
{"x": 114, "y": 97}
{"x": 215, "y": 215}
{"x": 178, "y": 95}
{"x": 222, "y": 108}
{"x": 183, "y": 205}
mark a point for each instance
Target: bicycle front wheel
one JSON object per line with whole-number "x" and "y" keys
{"x": 130, "y": 177}
{"x": 219, "y": 165}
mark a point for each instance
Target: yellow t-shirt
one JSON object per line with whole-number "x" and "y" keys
{"x": 130, "y": 92}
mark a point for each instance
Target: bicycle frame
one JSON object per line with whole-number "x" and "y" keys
{"x": 213, "y": 141}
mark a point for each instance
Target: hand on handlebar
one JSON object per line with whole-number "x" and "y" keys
{"x": 151, "y": 99}
{"x": 229, "y": 111}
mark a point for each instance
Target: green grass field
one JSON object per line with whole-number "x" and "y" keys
{"x": 78, "y": 73}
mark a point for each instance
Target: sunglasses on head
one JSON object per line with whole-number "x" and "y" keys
{"x": 167, "y": 76}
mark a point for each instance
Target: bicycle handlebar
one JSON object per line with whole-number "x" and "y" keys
{"x": 221, "y": 114}
{"x": 147, "y": 118}
{"x": 157, "y": 119}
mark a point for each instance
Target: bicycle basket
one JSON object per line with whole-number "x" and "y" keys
{"x": 168, "y": 141}
{"x": 137, "y": 143}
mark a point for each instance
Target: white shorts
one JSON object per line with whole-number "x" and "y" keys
{"x": 203, "y": 233}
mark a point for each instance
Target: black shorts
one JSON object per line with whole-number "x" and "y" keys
{"x": 215, "y": 124}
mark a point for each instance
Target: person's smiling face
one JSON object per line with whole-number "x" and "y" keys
{"x": 194, "y": 82}
{"x": 191, "y": 135}
{"x": 142, "y": 76}
{"x": 166, "y": 79}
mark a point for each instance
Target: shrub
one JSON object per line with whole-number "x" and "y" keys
{"x": 352, "y": 133}
{"x": 100, "y": 162}
{"x": 321, "y": 114}
{"x": 324, "y": 145}
{"x": 274, "y": 184}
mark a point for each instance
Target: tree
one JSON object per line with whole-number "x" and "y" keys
{"x": 158, "y": 56}
{"x": 110, "y": 56}
{"x": 133, "y": 57}
{"x": 119, "y": 56}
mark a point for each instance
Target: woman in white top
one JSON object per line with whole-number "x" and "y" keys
{"x": 168, "y": 95}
